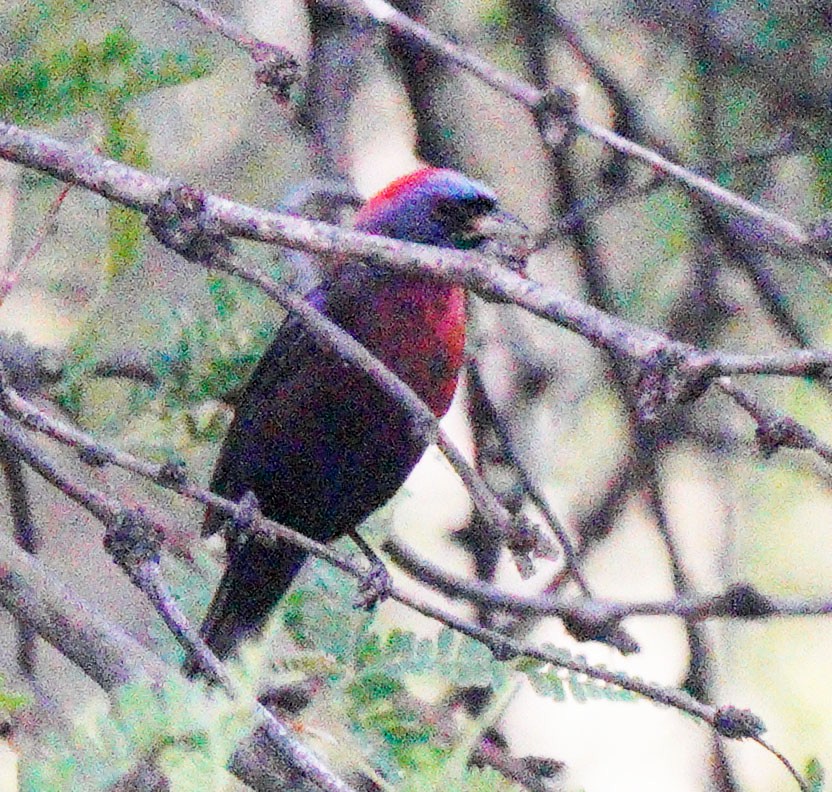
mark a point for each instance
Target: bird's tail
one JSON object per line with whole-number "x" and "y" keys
{"x": 254, "y": 581}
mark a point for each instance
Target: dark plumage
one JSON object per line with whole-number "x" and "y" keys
{"x": 315, "y": 440}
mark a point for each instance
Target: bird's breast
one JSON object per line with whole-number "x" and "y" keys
{"x": 418, "y": 330}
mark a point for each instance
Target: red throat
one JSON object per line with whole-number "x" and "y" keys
{"x": 419, "y": 331}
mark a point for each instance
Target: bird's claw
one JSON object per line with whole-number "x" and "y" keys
{"x": 374, "y": 587}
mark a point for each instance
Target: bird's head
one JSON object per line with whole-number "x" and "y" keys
{"x": 441, "y": 207}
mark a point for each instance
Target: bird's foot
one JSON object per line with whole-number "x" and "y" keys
{"x": 374, "y": 587}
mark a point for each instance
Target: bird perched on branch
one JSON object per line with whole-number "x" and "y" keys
{"x": 316, "y": 441}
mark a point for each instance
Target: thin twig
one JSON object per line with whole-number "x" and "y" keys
{"x": 9, "y": 279}
{"x": 726, "y": 720}
{"x": 277, "y": 68}
{"x": 534, "y": 100}
{"x": 737, "y": 602}
{"x": 774, "y": 428}
{"x": 535, "y": 496}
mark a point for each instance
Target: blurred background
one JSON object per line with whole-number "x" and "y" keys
{"x": 107, "y": 328}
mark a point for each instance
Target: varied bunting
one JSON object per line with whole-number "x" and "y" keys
{"x": 317, "y": 442}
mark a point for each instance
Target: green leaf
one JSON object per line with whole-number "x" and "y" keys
{"x": 10, "y": 701}
{"x": 192, "y": 732}
{"x": 45, "y": 82}
{"x": 814, "y": 775}
{"x": 822, "y": 159}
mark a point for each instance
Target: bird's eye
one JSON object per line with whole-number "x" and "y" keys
{"x": 456, "y": 216}
{"x": 459, "y": 212}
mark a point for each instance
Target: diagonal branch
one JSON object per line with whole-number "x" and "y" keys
{"x": 540, "y": 104}
{"x": 141, "y": 191}
{"x": 727, "y": 720}
{"x": 519, "y": 535}
{"x": 105, "y": 653}
{"x": 110, "y": 511}
{"x": 277, "y": 68}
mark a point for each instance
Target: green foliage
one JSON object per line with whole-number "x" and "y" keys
{"x": 669, "y": 233}
{"x": 50, "y": 77}
{"x": 667, "y": 213}
{"x": 814, "y": 775}
{"x": 189, "y": 733}
{"x": 497, "y": 14}
{"x": 199, "y": 360}
{"x": 80, "y": 363}
{"x": 10, "y": 701}
{"x": 47, "y": 83}
{"x": 822, "y": 160}
{"x": 555, "y": 682}
{"x": 126, "y": 141}
{"x": 428, "y": 773}
{"x": 210, "y": 356}
{"x": 371, "y": 676}
{"x": 379, "y": 701}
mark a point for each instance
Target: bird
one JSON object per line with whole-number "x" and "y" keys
{"x": 313, "y": 438}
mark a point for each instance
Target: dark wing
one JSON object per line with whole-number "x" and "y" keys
{"x": 320, "y": 447}
{"x": 237, "y": 465}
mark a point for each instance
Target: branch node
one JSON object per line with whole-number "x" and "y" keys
{"x": 526, "y": 541}
{"x": 92, "y": 455}
{"x": 588, "y": 623}
{"x": 502, "y": 648}
{"x": 736, "y": 723}
{"x": 248, "y": 516}
{"x": 743, "y": 601}
{"x": 173, "y": 473}
{"x": 778, "y": 431}
{"x": 132, "y": 541}
{"x": 669, "y": 375}
{"x": 25, "y": 367}
{"x": 554, "y": 113}
{"x": 376, "y": 586}
{"x": 276, "y": 69}
{"x": 179, "y": 221}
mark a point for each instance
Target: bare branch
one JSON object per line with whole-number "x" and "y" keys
{"x": 9, "y": 278}
{"x": 775, "y": 429}
{"x": 27, "y": 537}
{"x": 503, "y": 647}
{"x": 740, "y": 601}
{"x": 141, "y": 191}
{"x": 105, "y": 653}
{"x": 277, "y": 68}
{"x": 539, "y": 103}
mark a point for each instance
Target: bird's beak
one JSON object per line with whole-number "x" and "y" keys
{"x": 501, "y": 234}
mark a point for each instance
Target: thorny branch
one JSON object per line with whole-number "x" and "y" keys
{"x": 112, "y": 513}
{"x": 591, "y": 619}
{"x": 682, "y": 370}
{"x": 671, "y": 371}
